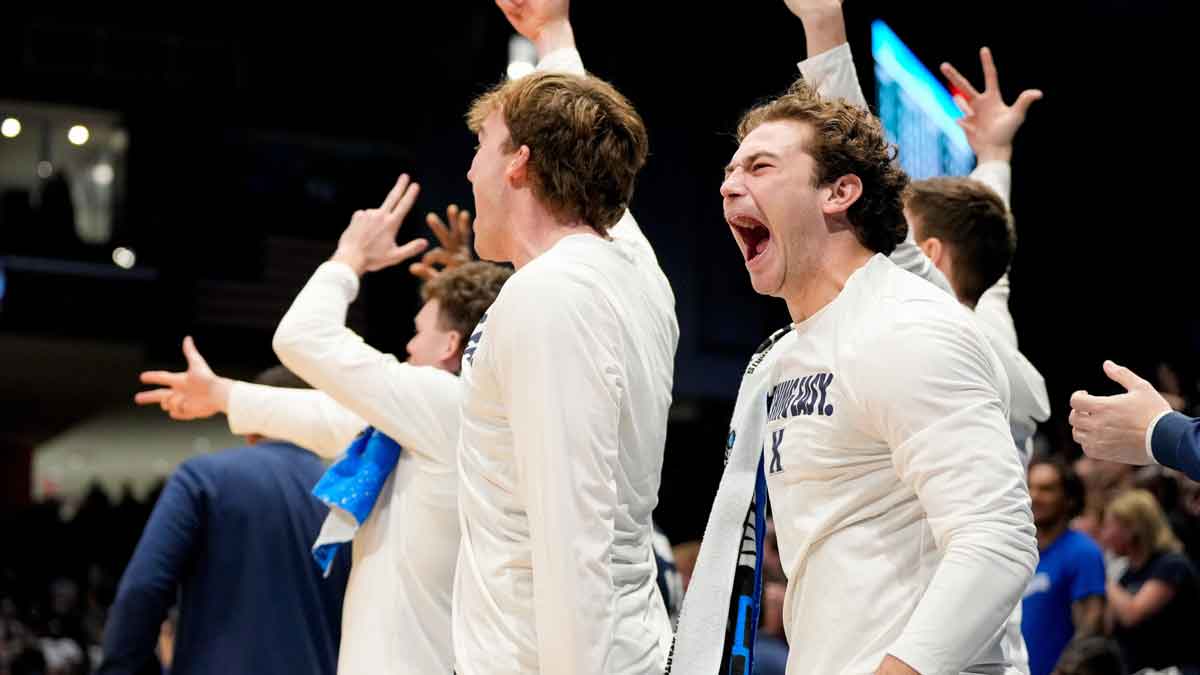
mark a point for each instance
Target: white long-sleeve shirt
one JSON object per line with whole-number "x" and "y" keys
{"x": 564, "y": 424}
{"x": 833, "y": 73}
{"x": 396, "y": 613}
{"x": 902, "y": 515}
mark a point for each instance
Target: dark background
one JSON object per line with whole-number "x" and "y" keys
{"x": 255, "y": 135}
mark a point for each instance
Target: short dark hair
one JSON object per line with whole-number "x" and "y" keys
{"x": 464, "y": 293}
{"x": 1072, "y": 486}
{"x": 972, "y": 219}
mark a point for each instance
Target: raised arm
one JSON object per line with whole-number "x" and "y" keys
{"x": 308, "y": 418}
{"x": 406, "y": 402}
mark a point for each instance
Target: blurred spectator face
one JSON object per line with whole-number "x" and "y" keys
{"x": 1115, "y": 537}
{"x": 431, "y": 343}
{"x": 1049, "y": 501}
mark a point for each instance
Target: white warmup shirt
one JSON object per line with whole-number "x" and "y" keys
{"x": 834, "y": 75}
{"x": 902, "y": 513}
{"x": 568, "y": 385}
{"x": 396, "y": 614}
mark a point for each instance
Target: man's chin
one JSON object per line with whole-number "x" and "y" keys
{"x": 765, "y": 284}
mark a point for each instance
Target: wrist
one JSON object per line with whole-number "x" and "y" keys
{"x": 220, "y": 393}
{"x": 553, "y": 36}
{"x": 824, "y": 29}
{"x": 994, "y": 153}
{"x": 355, "y": 260}
{"x": 820, "y": 15}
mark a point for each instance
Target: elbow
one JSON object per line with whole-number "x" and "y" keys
{"x": 1029, "y": 551}
{"x": 1005, "y": 544}
{"x": 284, "y": 343}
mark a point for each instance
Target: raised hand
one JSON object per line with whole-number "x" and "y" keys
{"x": 454, "y": 239}
{"x": 544, "y": 22}
{"x": 1113, "y": 428}
{"x": 194, "y": 394}
{"x": 989, "y": 122}
{"x": 368, "y": 243}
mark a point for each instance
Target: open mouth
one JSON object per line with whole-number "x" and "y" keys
{"x": 753, "y": 236}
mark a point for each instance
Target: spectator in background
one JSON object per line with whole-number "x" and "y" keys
{"x": 1102, "y": 481}
{"x": 1065, "y": 599}
{"x": 1164, "y": 484}
{"x": 1152, "y": 610}
{"x": 231, "y": 535}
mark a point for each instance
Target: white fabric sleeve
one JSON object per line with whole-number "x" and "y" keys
{"x": 834, "y": 75}
{"x": 996, "y": 174}
{"x": 564, "y": 60}
{"x": 992, "y": 307}
{"x": 562, "y": 385}
{"x": 417, "y": 406}
{"x": 931, "y": 387}
{"x": 992, "y": 310}
{"x": 306, "y": 417}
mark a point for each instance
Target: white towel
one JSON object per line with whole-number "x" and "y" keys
{"x": 732, "y": 536}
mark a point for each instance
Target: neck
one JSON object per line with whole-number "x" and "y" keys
{"x": 536, "y": 230}
{"x": 1048, "y": 535}
{"x": 829, "y": 270}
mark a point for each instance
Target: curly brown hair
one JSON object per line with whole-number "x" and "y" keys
{"x": 464, "y": 293}
{"x": 972, "y": 219}
{"x": 846, "y": 140}
{"x": 586, "y": 142}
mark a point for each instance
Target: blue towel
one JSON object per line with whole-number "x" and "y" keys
{"x": 350, "y": 488}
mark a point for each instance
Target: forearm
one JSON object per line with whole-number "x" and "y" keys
{"x": 943, "y": 634}
{"x": 824, "y": 28}
{"x": 1121, "y": 605}
{"x": 1088, "y": 616}
{"x": 554, "y": 36}
{"x": 305, "y": 417}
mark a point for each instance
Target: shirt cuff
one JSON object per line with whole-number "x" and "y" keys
{"x": 997, "y": 175}
{"x": 1163, "y": 436}
{"x": 817, "y": 68}
{"x": 239, "y": 409}
{"x": 562, "y": 60}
